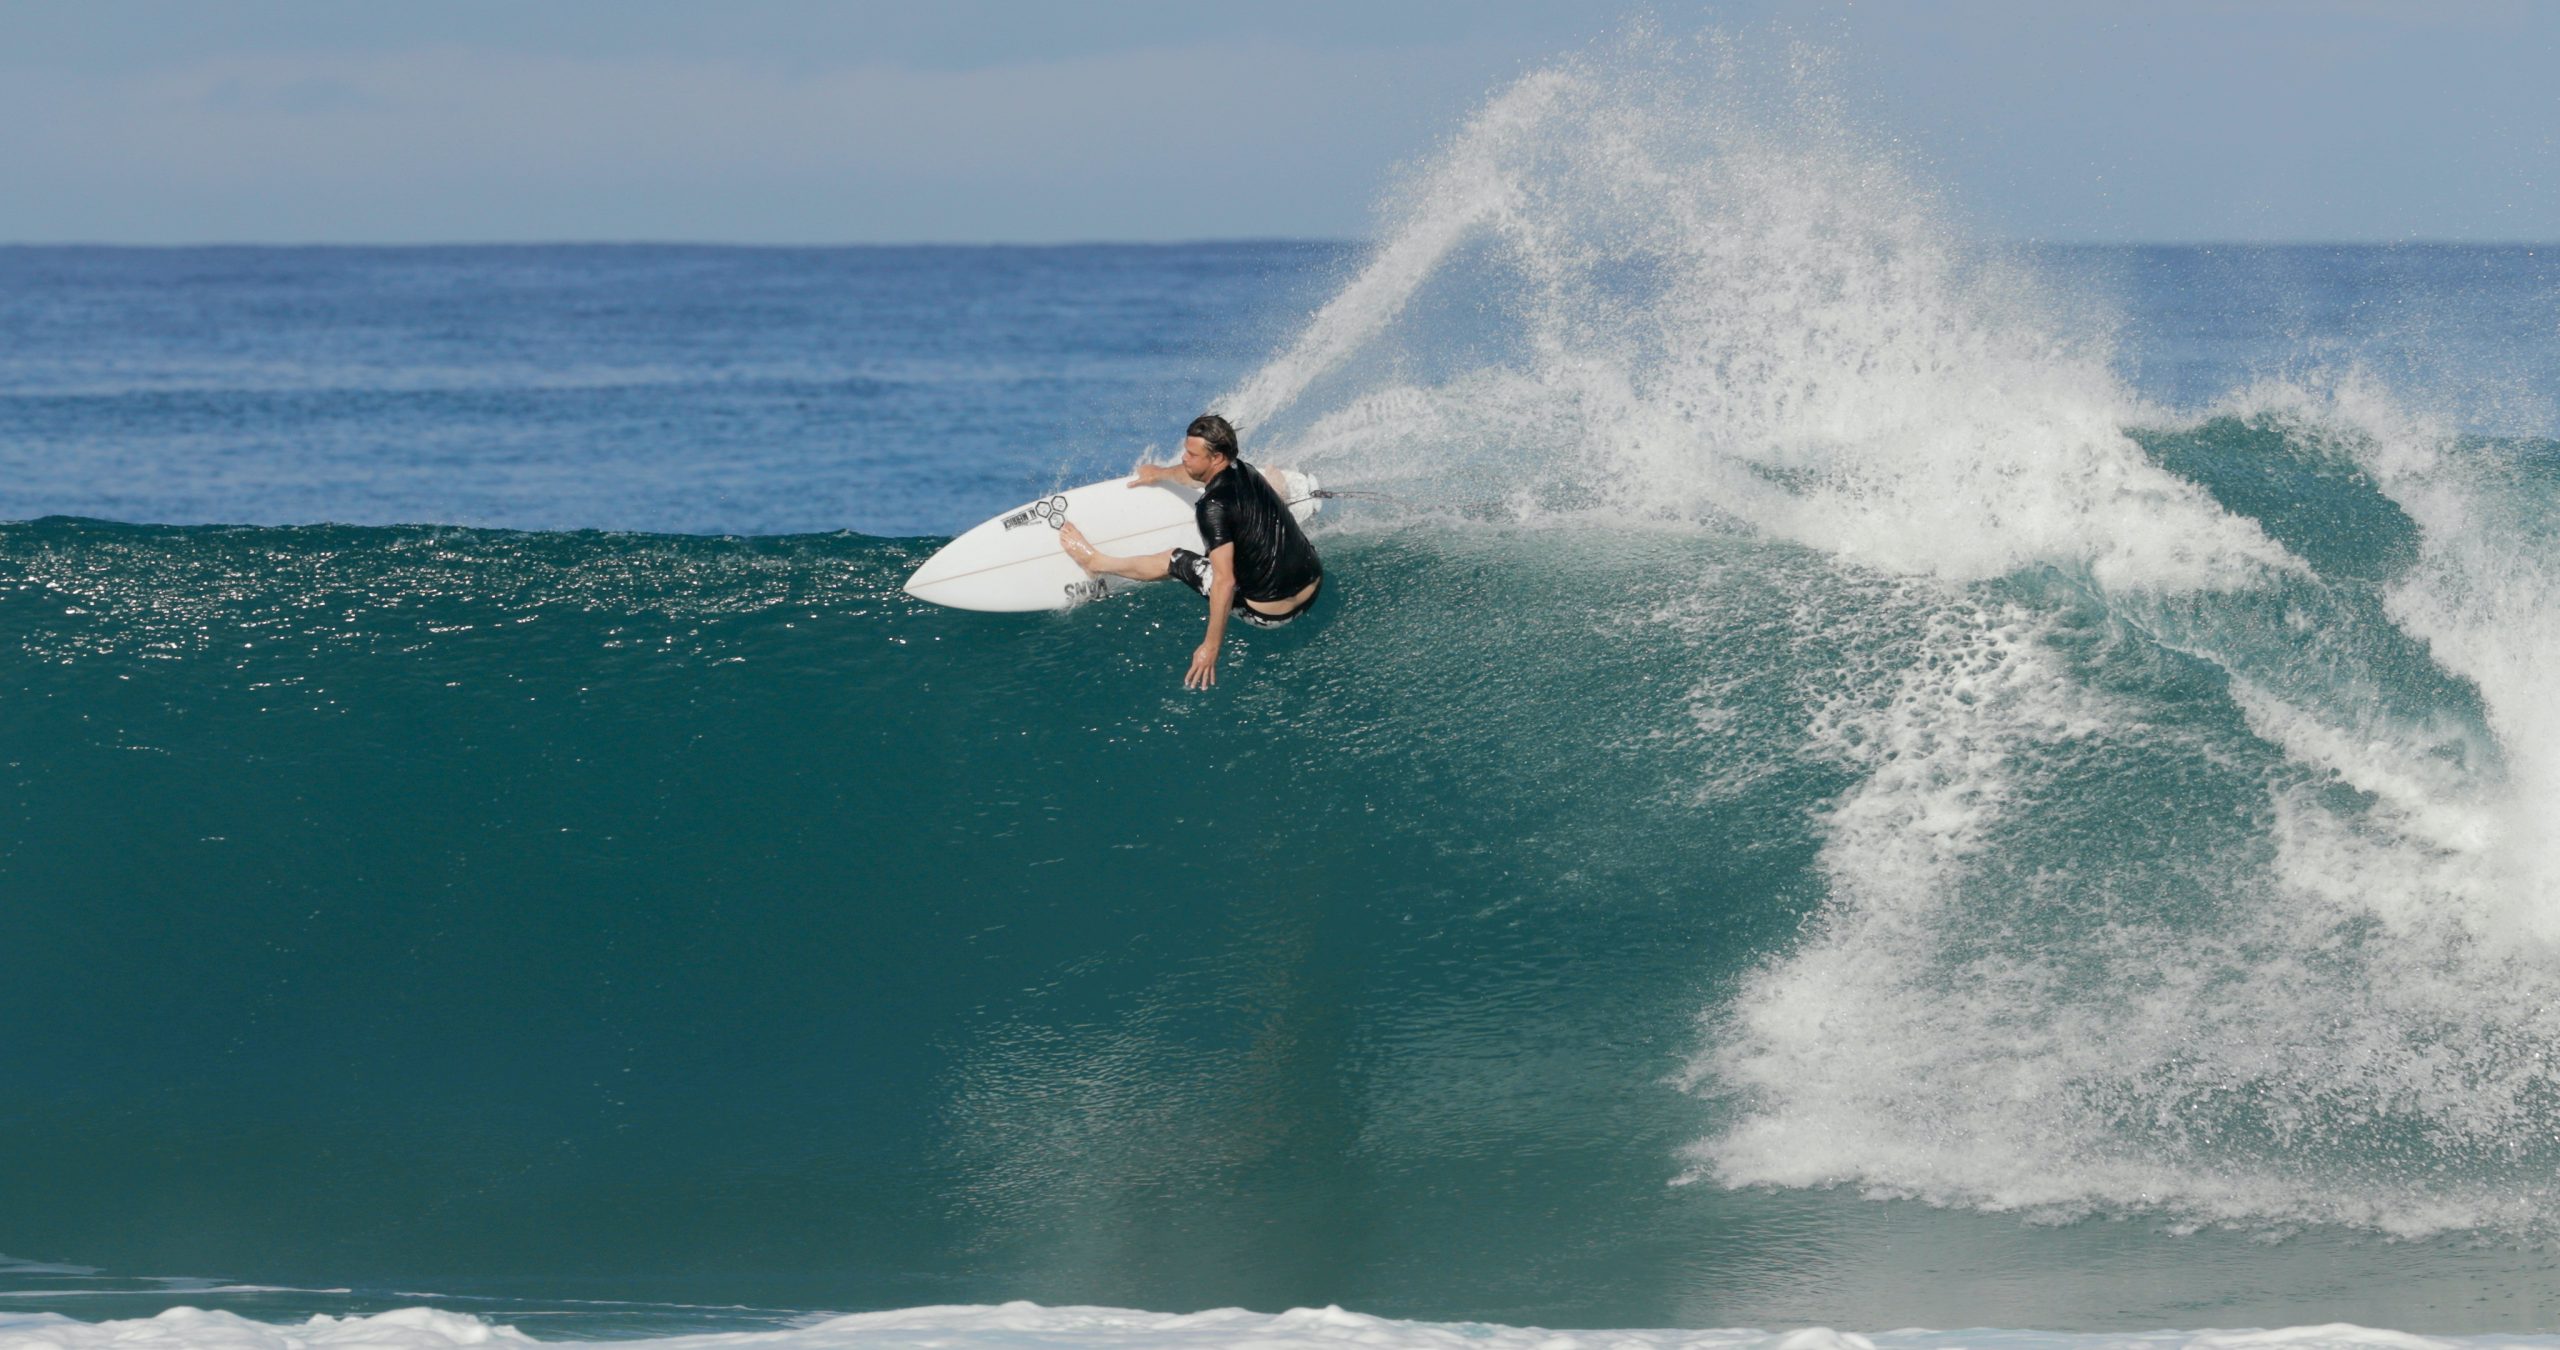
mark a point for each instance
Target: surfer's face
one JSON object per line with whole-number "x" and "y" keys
{"x": 1197, "y": 461}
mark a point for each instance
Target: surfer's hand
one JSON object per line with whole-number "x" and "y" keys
{"x": 1147, "y": 473}
{"x": 1204, "y": 667}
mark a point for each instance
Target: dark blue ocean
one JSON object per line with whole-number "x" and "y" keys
{"x": 891, "y": 391}
{"x": 1855, "y": 776}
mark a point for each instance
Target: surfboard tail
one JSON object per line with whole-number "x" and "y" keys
{"x": 1303, "y": 488}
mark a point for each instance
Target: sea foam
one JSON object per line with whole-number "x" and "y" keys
{"x": 1027, "y": 1326}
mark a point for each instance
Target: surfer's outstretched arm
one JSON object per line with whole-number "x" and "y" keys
{"x": 1163, "y": 473}
{"x": 1222, "y": 597}
{"x": 1147, "y": 474}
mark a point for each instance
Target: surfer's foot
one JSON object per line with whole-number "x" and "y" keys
{"x": 1100, "y": 564}
{"x": 1073, "y": 541}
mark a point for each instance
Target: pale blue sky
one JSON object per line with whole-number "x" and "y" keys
{"x": 980, "y": 120}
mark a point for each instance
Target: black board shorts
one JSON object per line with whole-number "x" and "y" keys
{"x": 1197, "y": 572}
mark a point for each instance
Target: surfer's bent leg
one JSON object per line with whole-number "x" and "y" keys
{"x": 1145, "y": 567}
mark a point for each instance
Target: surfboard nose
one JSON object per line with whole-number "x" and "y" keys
{"x": 936, "y": 568}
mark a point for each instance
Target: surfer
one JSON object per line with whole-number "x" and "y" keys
{"x": 1260, "y": 566}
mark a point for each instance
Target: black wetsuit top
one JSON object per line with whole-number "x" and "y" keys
{"x": 1274, "y": 561}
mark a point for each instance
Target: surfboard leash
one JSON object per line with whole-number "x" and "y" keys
{"x": 1328, "y": 494}
{"x": 1472, "y": 508}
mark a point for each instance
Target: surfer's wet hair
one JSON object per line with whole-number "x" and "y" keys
{"x": 1217, "y": 431}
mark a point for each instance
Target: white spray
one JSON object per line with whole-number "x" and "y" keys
{"x": 1670, "y": 284}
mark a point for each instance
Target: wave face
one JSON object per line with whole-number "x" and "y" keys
{"x": 452, "y": 904}
{"x": 471, "y": 908}
{"x": 1841, "y": 782}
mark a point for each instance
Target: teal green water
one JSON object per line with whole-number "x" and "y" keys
{"x": 701, "y": 921}
{"x": 576, "y": 911}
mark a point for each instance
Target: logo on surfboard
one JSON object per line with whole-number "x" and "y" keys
{"x": 1051, "y": 512}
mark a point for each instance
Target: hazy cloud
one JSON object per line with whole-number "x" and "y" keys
{"x": 1152, "y": 119}
{"x": 473, "y": 143}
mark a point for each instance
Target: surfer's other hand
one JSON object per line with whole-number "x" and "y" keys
{"x": 1204, "y": 667}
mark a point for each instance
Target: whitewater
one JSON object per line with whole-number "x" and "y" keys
{"x": 1860, "y": 779}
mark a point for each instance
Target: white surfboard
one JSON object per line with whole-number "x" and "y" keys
{"x": 1013, "y": 562}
